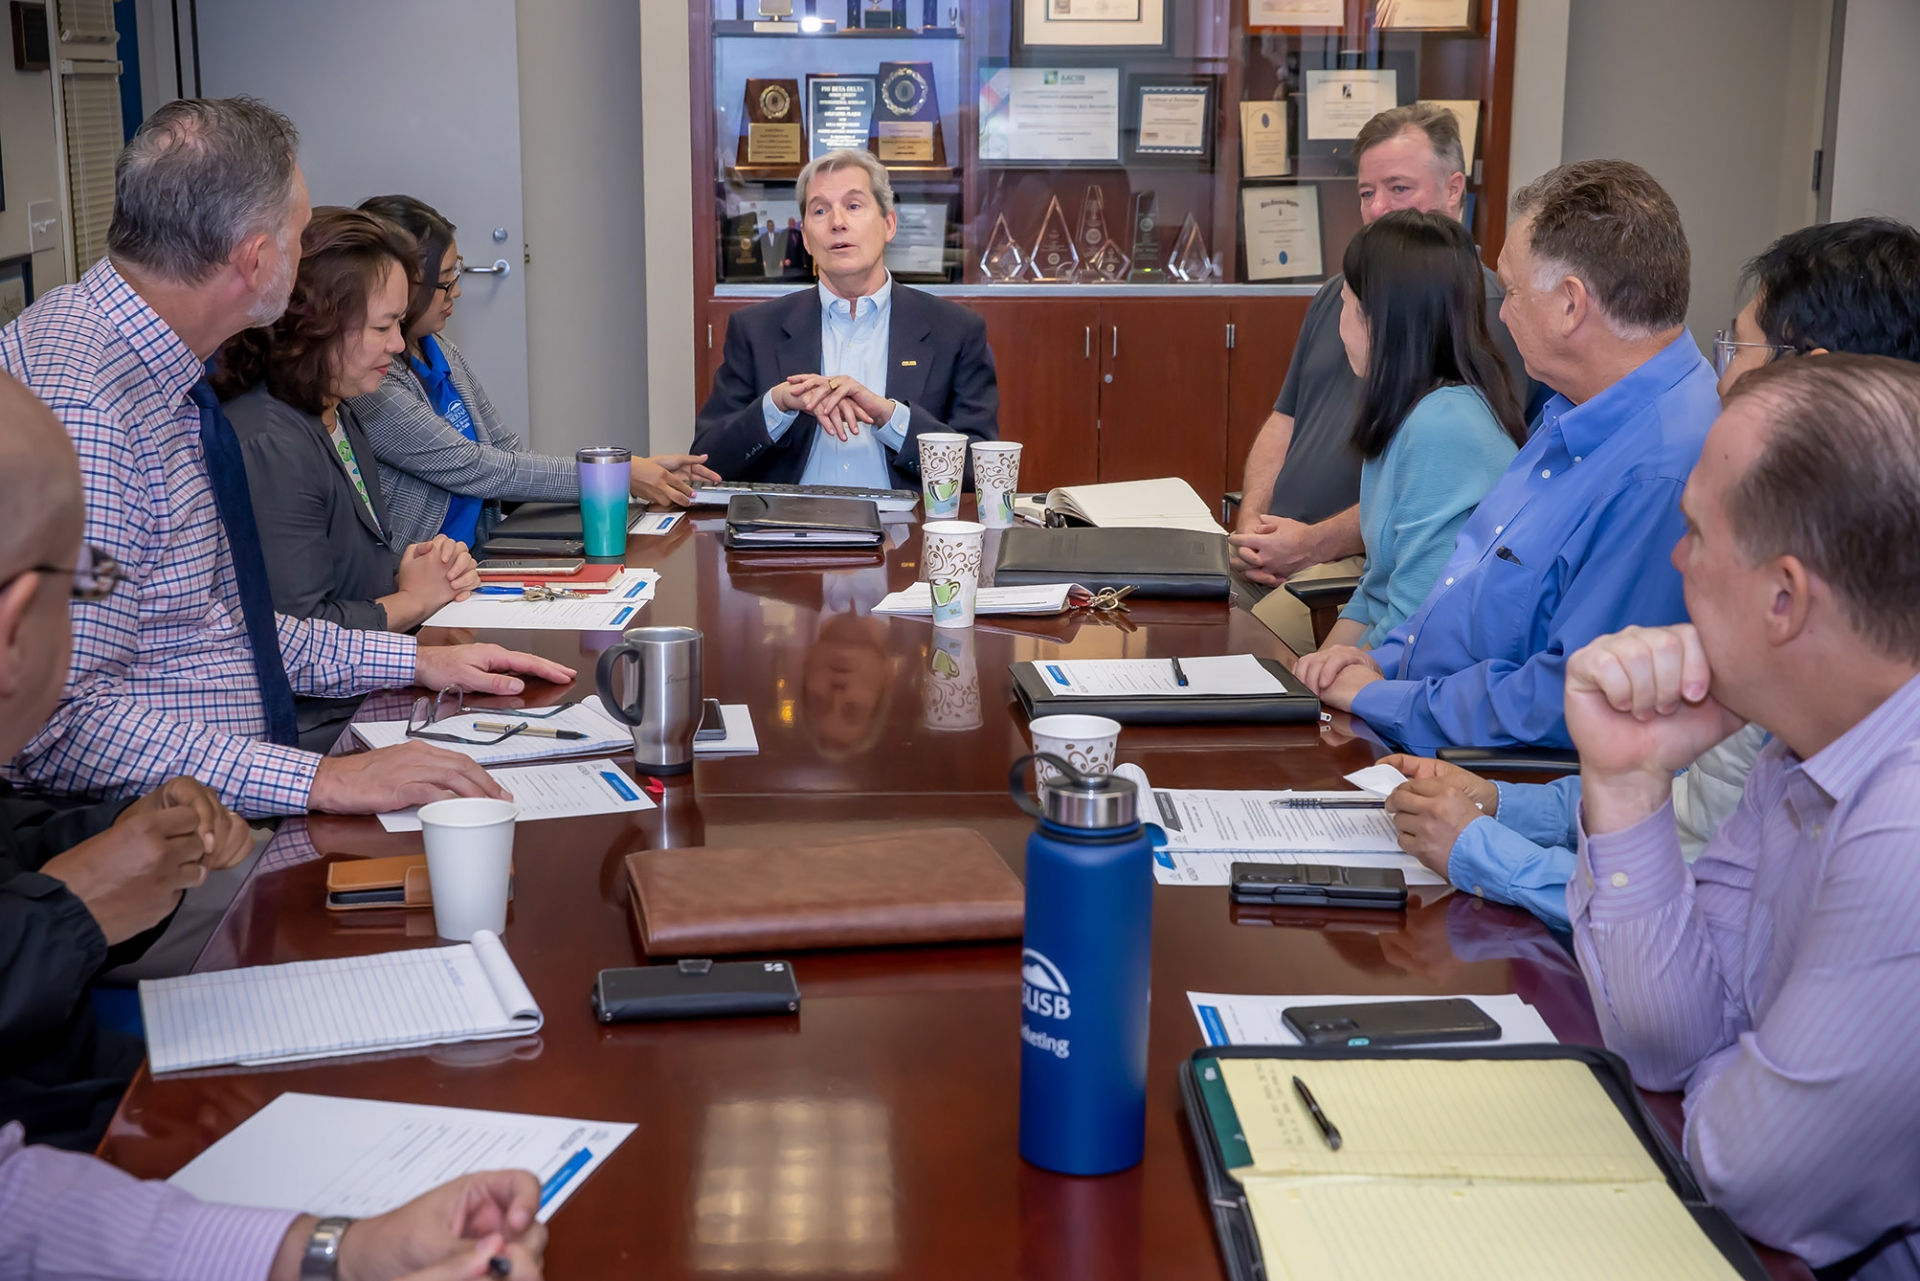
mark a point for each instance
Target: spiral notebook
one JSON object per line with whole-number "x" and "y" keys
{"x": 351, "y": 1005}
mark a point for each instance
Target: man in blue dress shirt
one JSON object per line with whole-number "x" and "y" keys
{"x": 834, "y": 385}
{"x": 1573, "y": 542}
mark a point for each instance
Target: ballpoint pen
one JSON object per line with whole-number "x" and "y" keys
{"x": 1327, "y": 1131}
{"x": 1179, "y": 677}
{"x": 532, "y": 731}
{"x": 1330, "y": 803}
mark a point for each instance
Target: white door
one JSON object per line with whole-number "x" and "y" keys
{"x": 409, "y": 97}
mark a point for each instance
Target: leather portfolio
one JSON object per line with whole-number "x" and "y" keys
{"x": 1293, "y": 706}
{"x": 765, "y": 522}
{"x": 542, "y": 521}
{"x": 360, "y": 883}
{"x": 1171, "y": 563}
{"x": 931, "y": 885}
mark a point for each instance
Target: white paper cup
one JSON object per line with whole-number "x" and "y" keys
{"x": 951, "y": 550}
{"x": 996, "y": 474}
{"x": 1085, "y": 742}
{"x": 469, "y": 862}
{"x": 950, "y": 695}
{"x": 943, "y": 469}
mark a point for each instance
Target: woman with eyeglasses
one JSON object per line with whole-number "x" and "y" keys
{"x": 445, "y": 456}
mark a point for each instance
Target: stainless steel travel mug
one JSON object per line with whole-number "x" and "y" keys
{"x": 664, "y": 706}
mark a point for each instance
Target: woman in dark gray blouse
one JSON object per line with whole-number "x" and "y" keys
{"x": 323, "y": 521}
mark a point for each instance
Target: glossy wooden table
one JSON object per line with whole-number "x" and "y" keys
{"x": 875, "y": 1133}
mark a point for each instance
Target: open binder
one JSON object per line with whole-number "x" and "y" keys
{"x": 1314, "y": 1190}
{"x": 1293, "y": 705}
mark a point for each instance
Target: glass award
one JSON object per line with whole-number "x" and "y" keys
{"x": 1002, "y": 262}
{"x": 1054, "y": 257}
{"x": 1103, "y": 261}
{"x": 1148, "y": 269}
{"x": 1190, "y": 264}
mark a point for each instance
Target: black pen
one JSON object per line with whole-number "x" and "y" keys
{"x": 1506, "y": 553}
{"x": 500, "y": 1266}
{"x": 532, "y": 731}
{"x": 1179, "y": 677}
{"x": 1331, "y": 1135}
{"x": 1332, "y": 803}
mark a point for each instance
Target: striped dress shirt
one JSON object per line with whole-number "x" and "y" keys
{"x": 1777, "y": 981}
{"x": 67, "y": 1217}
{"x": 163, "y": 680}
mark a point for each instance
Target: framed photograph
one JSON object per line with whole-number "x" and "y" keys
{"x": 1094, "y": 24}
{"x": 1170, "y": 118}
{"x": 16, "y": 287}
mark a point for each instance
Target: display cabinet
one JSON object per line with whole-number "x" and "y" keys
{"x": 1139, "y": 196}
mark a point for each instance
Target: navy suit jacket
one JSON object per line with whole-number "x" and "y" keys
{"x": 938, "y": 365}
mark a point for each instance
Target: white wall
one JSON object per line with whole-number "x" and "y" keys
{"x": 1539, "y": 90}
{"x": 1720, "y": 101}
{"x": 30, "y": 150}
{"x": 581, "y": 182}
{"x": 666, "y": 61}
{"x": 1876, "y": 160}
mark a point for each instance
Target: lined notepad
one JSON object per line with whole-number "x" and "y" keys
{"x": 1455, "y": 1169}
{"x": 320, "y": 1009}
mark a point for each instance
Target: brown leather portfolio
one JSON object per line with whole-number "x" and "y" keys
{"x": 933, "y": 885}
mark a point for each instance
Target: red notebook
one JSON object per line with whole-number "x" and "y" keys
{"x": 589, "y": 578}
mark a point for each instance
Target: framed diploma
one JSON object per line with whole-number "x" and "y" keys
{"x": 1050, "y": 115}
{"x": 1094, "y": 24}
{"x": 1339, "y": 102}
{"x": 1282, "y": 230}
{"x": 1291, "y": 14}
{"x": 1467, "y": 112}
{"x": 1424, "y": 15}
{"x": 1263, "y": 140}
{"x": 1171, "y": 117}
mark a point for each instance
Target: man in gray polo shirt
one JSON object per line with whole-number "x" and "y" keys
{"x": 1300, "y": 514}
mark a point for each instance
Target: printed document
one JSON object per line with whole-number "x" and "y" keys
{"x": 655, "y": 522}
{"x": 603, "y": 735}
{"x": 1043, "y": 598}
{"x": 320, "y": 1009}
{"x": 1227, "y": 675}
{"x": 362, "y": 1157}
{"x": 601, "y": 612}
{"x": 1255, "y": 1020}
{"x": 740, "y": 739}
{"x": 553, "y": 791}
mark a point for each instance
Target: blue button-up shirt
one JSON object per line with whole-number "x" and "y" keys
{"x": 1572, "y": 543}
{"x": 854, "y": 340}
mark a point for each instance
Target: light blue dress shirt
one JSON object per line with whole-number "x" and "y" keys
{"x": 1587, "y": 517}
{"x": 853, "y": 344}
{"x": 1449, "y": 451}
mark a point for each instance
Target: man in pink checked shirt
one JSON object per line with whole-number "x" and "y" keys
{"x": 1777, "y": 979}
{"x": 188, "y": 670}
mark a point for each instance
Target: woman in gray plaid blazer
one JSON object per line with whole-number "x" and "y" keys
{"x": 427, "y": 464}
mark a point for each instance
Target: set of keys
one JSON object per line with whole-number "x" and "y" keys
{"x": 1108, "y": 600}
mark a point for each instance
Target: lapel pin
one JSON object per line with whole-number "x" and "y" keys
{"x": 909, "y": 362}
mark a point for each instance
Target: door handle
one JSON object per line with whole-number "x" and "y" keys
{"x": 1087, "y": 353}
{"x": 1116, "y": 342}
{"x": 501, "y": 268}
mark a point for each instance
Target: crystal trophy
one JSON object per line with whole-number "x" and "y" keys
{"x": 1054, "y": 258}
{"x": 1190, "y": 264}
{"x": 1003, "y": 262}
{"x": 1148, "y": 268}
{"x": 1103, "y": 260}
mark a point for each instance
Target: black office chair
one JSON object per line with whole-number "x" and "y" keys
{"x": 1323, "y": 598}
{"x": 1229, "y": 504}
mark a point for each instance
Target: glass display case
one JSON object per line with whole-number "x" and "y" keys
{"x": 1067, "y": 143}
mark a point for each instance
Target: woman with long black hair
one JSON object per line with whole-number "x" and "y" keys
{"x": 1438, "y": 420}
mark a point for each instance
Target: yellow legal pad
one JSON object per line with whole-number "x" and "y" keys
{"x": 1456, "y": 1168}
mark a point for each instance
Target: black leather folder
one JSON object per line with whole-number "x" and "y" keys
{"x": 769, "y": 522}
{"x": 1174, "y": 564}
{"x": 541, "y": 520}
{"x": 1294, "y": 707}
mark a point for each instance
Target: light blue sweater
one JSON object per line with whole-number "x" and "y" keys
{"x": 1415, "y": 497}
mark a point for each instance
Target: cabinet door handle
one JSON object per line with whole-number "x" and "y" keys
{"x": 709, "y": 337}
{"x": 1116, "y": 342}
{"x": 1088, "y": 353}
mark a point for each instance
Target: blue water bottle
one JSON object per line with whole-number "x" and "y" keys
{"x": 1084, "y": 973}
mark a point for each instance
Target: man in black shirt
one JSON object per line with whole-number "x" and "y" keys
{"x": 82, "y": 888}
{"x": 1300, "y": 515}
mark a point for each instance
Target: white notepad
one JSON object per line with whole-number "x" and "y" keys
{"x": 603, "y": 735}
{"x": 1221, "y": 675}
{"x": 1041, "y": 598}
{"x": 362, "y": 1157}
{"x": 322, "y": 1009}
{"x": 570, "y": 789}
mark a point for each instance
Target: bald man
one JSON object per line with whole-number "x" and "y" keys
{"x": 82, "y": 889}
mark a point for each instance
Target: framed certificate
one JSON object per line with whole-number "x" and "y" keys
{"x": 1050, "y": 115}
{"x": 1171, "y": 117}
{"x": 1287, "y": 15}
{"x": 1466, "y": 112}
{"x": 1282, "y": 229}
{"x": 1339, "y": 102}
{"x": 1263, "y": 140}
{"x": 918, "y": 249}
{"x": 1424, "y": 15}
{"x": 1094, "y": 24}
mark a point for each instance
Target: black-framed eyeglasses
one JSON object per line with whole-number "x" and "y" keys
{"x": 95, "y": 573}
{"x": 447, "y": 704}
{"x": 459, "y": 265}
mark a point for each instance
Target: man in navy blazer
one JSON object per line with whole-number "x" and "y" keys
{"x": 835, "y": 385}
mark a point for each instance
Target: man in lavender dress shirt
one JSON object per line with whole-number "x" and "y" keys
{"x": 1777, "y": 979}
{"x": 63, "y": 1215}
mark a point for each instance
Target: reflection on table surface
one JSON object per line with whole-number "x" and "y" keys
{"x": 874, "y": 1134}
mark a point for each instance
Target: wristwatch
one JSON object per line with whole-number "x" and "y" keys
{"x": 321, "y": 1262}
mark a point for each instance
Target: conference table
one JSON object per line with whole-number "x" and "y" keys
{"x": 875, "y": 1133}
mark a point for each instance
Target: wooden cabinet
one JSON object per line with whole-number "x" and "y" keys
{"x": 1163, "y": 391}
{"x": 1048, "y": 370}
{"x": 1265, "y": 330}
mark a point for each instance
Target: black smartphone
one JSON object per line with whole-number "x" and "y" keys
{"x": 1390, "y": 1023}
{"x": 712, "y": 724}
{"x": 1318, "y": 885}
{"x": 542, "y": 547}
{"x": 695, "y": 989}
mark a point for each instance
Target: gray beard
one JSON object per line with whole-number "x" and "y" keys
{"x": 272, "y": 303}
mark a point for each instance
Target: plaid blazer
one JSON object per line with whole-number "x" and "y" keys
{"x": 424, "y": 460}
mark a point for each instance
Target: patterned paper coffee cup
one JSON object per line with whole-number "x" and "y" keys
{"x": 943, "y": 467}
{"x": 952, "y": 551}
{"x": 996, "y": 474}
